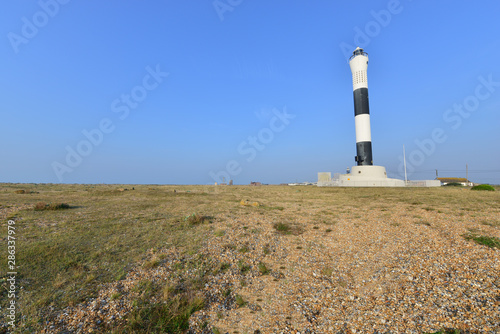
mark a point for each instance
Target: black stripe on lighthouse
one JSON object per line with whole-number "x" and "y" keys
{"x": 364, "y": 155}
{"x": 361, "y": 105}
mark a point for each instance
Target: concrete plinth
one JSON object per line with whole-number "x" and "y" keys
{"x": 368, "y": 176}
{"x": 361, "y": 176}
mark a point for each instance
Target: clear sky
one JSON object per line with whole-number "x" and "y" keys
{"x": 185, "y": 92}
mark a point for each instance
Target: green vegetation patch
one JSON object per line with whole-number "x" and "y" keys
{"x": 220, "y": 233}
{"x": 169, "y": 315}
{"x": 327, "y": 271}
{"x": 240, "y": 301}
{"x": 263, "y": 268}
{"x": 486, "y": 187}
{"x": 282, "y": 228}
{"x": 195, "y": 219}
{"x": 224, "y": 266}
{"x": 244, "y": 249}
{"x": 492, "y": 242}
{"x": 287, "y": 228}
{"x": 153, "y": 263}
{"x": 243, "y": 266}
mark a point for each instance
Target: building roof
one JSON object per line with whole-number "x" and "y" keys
{"x": 452, "y": 179}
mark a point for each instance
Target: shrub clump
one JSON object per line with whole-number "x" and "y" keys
{"x": 287, "y": 228}
{"x": 263, "y": 268}
{"x": 486, "y": 187}
{"x": 282, "y": 227}
{"x": 327, "y": 271}
{"x": 240, "y": 301}
{"x": 220, "y": 233}
{"x": 196, "y": 219}
{"x": 453, "y": 184}
{"x": 244, "y": 249}
{"x": 41, "y": 206}
{"x": 22, "y": 191}
{"x": 243, "y": 266}
{"x": 153, "y": 263}
{"x": 168, "y": 313}
{"x": 224, "y": 266}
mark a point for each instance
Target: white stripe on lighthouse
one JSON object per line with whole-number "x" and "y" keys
{"x": 363, "y": 131}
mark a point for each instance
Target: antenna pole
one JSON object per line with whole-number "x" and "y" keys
{"x": 404, "y": 160}
{"x": 467, "y": 174}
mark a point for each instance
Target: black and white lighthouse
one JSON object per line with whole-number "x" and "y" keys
{"x": 365, "y": 174}
{"x": 359, "y": 64}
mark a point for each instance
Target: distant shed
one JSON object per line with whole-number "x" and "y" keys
{"x": 462, "y": 180}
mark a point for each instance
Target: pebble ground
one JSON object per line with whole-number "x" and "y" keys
{"x": 380, "y": 272}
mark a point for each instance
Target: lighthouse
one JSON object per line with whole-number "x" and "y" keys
{"x": 359, "y": 65}
{"x": 364, "y": 174}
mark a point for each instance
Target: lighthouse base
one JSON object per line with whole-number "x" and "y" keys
{"x": 368, "y": 176}
{"x": 360, "y": 176}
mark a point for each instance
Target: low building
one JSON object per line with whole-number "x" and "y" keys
{"x": 462, "y": 180}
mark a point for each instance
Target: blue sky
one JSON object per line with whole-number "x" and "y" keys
{"x": 177, "y": 92}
